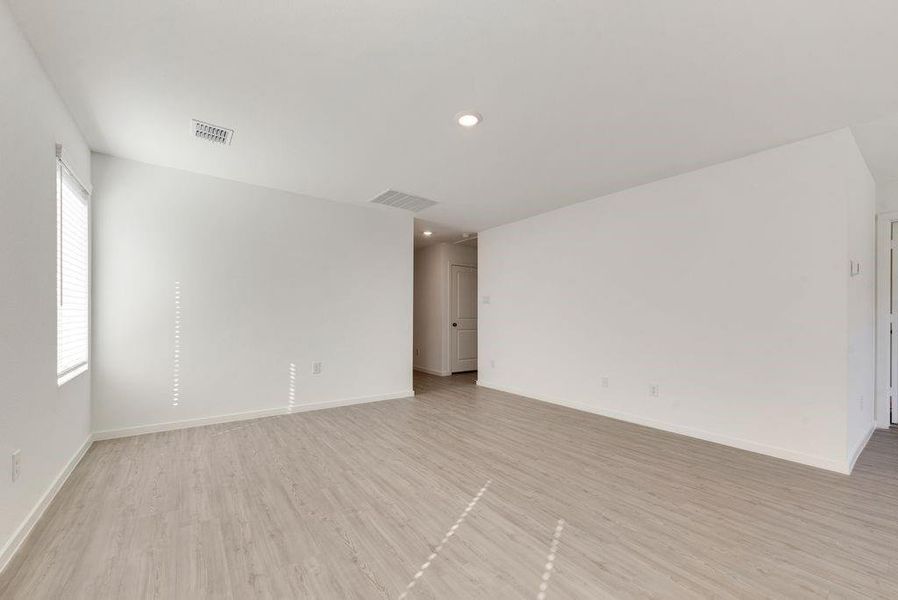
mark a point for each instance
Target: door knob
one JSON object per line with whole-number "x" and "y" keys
{"x": 455, "y": 324}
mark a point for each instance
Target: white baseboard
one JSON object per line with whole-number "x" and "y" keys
{"x": 860, "y": 447}
{"x": 807, "y": 459}
{"x": 21, "y": 534}
{"x": 351, "y": 401}
{"x": 110, "y": 434}
{"x": 433, "y": 371}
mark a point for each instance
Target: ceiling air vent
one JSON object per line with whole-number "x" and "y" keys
{"x": 403, "y": 200}
{"x": 212, "y": 133}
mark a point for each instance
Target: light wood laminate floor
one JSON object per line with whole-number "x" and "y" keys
{"x": 354, "y": 502}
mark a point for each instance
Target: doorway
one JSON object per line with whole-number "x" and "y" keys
{"x": 445, "y": 303}
{"x": 893, "y": 325}
{"x": 886, "y": 404}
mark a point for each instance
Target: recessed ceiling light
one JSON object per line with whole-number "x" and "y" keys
{"x": 468, "y": 119}
{"x": 428, "y": 233}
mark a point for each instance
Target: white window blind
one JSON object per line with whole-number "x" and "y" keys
{"x": 72, "y": 275}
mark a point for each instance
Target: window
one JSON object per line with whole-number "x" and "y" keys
{"x": 72, "y": 275}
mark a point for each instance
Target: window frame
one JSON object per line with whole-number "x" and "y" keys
{"x": 63, "y": 170}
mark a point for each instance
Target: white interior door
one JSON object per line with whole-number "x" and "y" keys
{"x": 463, "y": 318}
{"x": 893, "y": 328}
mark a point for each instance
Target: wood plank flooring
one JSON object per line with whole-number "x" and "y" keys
{"x": 353, "y": 502}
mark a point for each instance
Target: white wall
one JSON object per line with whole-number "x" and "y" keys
{"x": 429, "y": 310}
{"x": 431, "y": 335}
{"x": 860, "y": 190}
{"x": 729, "y": 287}
{"x": 267, "y": 278}
{"x": 887, "y": 197}
{"x": 48, "y": 424}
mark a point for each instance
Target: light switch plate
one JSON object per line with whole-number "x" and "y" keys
{"x": 16, "y": 464}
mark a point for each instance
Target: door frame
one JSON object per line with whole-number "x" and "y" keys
{"x": 886, "y": 396}
{"x": 447, "y": 327}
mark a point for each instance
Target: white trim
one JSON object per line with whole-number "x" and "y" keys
{"x": 432, "y": 371}
{"x": 110, "y": 434}
{"x": 881, "y": 408}
{"x": 59, "y": 156}
{"x": 742, "y": 444}
{"x": 21, "y": 534}
{"x": 852, "y": 459}
{"x": 73, "y": 372}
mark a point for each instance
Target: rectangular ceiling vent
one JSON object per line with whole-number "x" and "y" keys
{"x": 212, "y": 133}
{"x": 403, "y": 200}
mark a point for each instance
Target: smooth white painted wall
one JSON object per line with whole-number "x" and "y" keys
{"x": 728, "y": 286}
{"x": 267, "y": 278}
{"x": 860, "y": 191}
{"x": 48, "y": 424}
{"x": 887, "y": 197}
{"x": 429, "y": 307}
{"x": 431, "y": 334}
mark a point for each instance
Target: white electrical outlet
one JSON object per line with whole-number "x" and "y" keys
{"x": 16, "y": 464}
{"x": 492, "y": 364}
{"x": 862, "y": 403}
{"x": 654, "y": 390}
{"x": 316, "y": 368}
{"x": 604, "y": 382}
{"x": 486, "y": 299}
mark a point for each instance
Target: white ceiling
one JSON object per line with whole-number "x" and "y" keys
{"x": 342, "y": 99}
{"x": 439, "y": 233}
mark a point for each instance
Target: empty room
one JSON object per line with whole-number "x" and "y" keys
{"x": 448, "y": 300}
